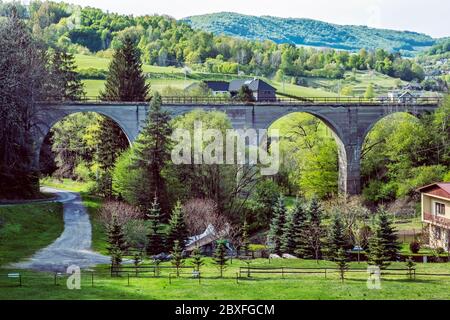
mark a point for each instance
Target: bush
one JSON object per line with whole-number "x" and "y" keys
{"x": 93, "y": 74}
{"x": 414, "y": 247}
{"x": 440, "y": 251}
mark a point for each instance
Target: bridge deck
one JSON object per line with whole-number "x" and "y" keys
{"x": 288, "y": 102}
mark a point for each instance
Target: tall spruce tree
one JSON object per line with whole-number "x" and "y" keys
{"x": 156, "y": 241}
{"x": 153, "y": 151}
{"x": 342, "y": 262}
{"x": 117, "y": 243}
{"x": 383, "y": 245}
{"x": 277, "y": 225}
{"x": 177, "y": 228}
{"x": 336, "y": 237}
{"x": 66, "y": 83}
{"x": 288, "y": 238}
{"x": 125, "y": 82}
{"x": 300, "y": 226}
{"x": 315, "y": 231}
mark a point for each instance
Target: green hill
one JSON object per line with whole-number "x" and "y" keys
{"x": 310, "y": 32}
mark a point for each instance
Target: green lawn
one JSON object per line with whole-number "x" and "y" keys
{"x": 359, "y": 80}
{"x": 305, "y": 287}
{"x": 24, "y": 229}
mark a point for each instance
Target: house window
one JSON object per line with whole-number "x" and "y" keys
{"x": 439, "y": 209}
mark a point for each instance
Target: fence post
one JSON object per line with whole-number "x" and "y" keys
{"x": 237, "y": 277}
{"x": 282, "y": 273}
{"x": 92, "y": 279}
{"x": 20, "y": 280}
{"x": 128, "y": 278}
{"x": 326, "y": 273}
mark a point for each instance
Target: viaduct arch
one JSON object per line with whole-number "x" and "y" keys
{"x": 350, "y": 123}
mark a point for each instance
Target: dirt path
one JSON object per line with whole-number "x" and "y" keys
{"x": 73, "y": 247}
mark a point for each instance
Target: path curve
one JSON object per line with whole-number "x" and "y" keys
{"x": 73, "y": 247}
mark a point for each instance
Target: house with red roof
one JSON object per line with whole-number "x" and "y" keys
{"x": 436, "y": 213}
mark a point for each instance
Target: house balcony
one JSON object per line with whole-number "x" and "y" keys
{"x": 436, "y": 220}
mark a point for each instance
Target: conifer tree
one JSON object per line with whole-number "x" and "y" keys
{"x": 315, "y": 231}
{"x": 66, "y": 84}
{"x": 300, "y": 229}
{"x": 245, "y": 238}
{"x": 383, "y": 245}
{"x": 116, "y": 241}
{"x": 220, "y": 256}
{"x": 177, "y": 227}
{"x": 336, "y": 237}
{"x": 276, "y": 227}
{"x": 153, "y": 151}
{"x": 288, "y": 238}
{"x": 197, "y": 259}
{"x": 177, "y": 257}
{"x": 156, "y": 236}
{"x": 342, "y": 262}
{"x": 125, "y": 82}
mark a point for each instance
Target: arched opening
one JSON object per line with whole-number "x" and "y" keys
{"x": 399, "y": 155}
{"x": 313, "y": 156}
{"x": 79, "y": 146}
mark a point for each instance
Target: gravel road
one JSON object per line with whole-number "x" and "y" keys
{"x": 73, "y": 247}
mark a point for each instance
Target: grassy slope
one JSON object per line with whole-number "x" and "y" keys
{"x": 27, "y": 228}
{"x": 176, "y": 80}
{"x": 260, "y": 287}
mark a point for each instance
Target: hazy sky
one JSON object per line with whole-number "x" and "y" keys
{"x": 427, "y": 16}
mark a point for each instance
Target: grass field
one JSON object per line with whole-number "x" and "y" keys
{"x": 259, "y": 287}
{"x": 359, "y": 81}
{"x": 24, "y": 229}
{"x": 175, "y": 78}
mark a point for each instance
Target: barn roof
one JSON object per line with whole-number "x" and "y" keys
{"x": 254, "y": 85}
{"x": 217, "y": 85}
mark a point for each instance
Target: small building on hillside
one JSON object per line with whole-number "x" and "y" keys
{"x": 262, "y": 91}
{"x": 436, "y": 213}
{"x": 217, "y": 87}
{"x": 402, "y": 96}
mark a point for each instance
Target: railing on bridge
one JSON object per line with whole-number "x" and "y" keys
{"x": 333, "y": 101}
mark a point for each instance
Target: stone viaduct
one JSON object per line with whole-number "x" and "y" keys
{"x": 350, "y": 122}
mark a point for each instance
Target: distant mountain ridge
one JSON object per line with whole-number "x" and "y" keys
{"x": 310, "y": 32}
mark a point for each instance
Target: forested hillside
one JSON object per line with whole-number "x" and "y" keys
{"x": 310, "y": 32}
{"x": 164, "y": 41}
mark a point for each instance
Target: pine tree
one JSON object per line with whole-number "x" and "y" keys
{"x": 276, "y": 228}
{"x": 342, "y": 262}
{"x": 116, "y": 236}
{"x": 67, "y": 83}
{"x": 336, "y": 238}
{"x": 383, "y": 246}
{"x": 177, "y": 227}
{"x": 245, "y": 238}
{"x": 153, "y": 151}
{"x": 197, "y": 259}
{"x": 315, "y": 231}
{"x": 117, "y": 243}
{"x": 300, "y": 229}
{"x": 220, "y": 258}
{"x": 288, "y": 238}
{"x": 389, "y": 234}
{"x": 177, "y": 257}
{"x": 155, "y": 237}
{"x": 126, "y": 80}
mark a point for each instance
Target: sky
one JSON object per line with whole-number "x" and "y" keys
{"x": 431, "y": 17}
